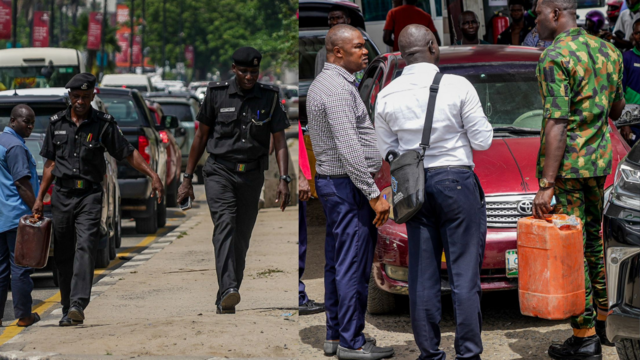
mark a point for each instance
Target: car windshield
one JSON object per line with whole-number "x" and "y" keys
{"x": 43, "y": 114}
{"x": 123, "y": 109}
{"x": 508, "y": 92}
{"x": 184, "y": 112}
{"x": 34, "y": 147}
{"x": 289, "y": 93}
{"x": 24, "y": 77}
{"x": 309, "y": 47}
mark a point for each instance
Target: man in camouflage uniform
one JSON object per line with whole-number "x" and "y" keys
{"x": 580, "y": 78}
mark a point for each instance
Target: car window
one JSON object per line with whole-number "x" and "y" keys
{"x": 123, "y": 109}
{"x": 43, "y": 114}
{"x": 370, "y": 87}
{"x": 508, "y": 92}
{"x": 24, "y": 77}
{"x": 184, "y": 112}
{"x": 34, "y": 147}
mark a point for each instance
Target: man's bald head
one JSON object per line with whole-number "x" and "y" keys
{"x": 22, "y": 111}
{"x": 346, "y": 48}
{"x": 338, "y": 35}
{"x": 418, "y": 44}
{"x": 22, "y": 120}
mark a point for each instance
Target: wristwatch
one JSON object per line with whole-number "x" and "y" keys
{"x": 286, "y": 178}
{"x": 187, "y": 176}
{"x": 544, "y": 184}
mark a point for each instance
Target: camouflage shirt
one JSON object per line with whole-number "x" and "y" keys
{"x": 580, "y": 77}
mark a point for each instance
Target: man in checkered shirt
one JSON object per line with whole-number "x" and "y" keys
{"x": 344, "y": 144}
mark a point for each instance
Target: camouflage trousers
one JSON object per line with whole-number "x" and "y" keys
{"x": 583, "y": 198}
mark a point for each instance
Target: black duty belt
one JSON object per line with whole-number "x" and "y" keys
{"x": 238, "y": 167}
{"x": 74, "y": 183}
{"x": 450, "y": 167}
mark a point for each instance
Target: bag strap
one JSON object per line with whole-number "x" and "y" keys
{"x": 428, "y": 118}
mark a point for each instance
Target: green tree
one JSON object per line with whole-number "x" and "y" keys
{"x": 78, "y": 40}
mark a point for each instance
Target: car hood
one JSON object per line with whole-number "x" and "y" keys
{"x": 508, "y": 166}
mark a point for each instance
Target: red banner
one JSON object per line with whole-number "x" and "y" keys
{"x": 137, "y": 50}
{"x": 5, "y": 20}
{"x": 122, "y": 14}
{"x": 41, "y": 29}
{"x": 189, "y": 56}
{"x": 94, "y": 34}
{"x": 122, "y": 58}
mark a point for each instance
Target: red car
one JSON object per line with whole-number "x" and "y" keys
{"x": 505, "y": 80}
{"x": 174, "y": 155}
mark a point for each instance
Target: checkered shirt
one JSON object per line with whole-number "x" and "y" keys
{"x": 343, "y": 138}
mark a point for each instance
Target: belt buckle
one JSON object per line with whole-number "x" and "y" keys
{"x": 241, "y": 167}
{"x": 79, "y": 184}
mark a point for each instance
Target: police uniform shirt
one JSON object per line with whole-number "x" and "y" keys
{"x": 78, "y": 151}
{"x": 234, "y": 114}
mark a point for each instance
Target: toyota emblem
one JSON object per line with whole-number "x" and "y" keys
{"x": 525, "y": 207}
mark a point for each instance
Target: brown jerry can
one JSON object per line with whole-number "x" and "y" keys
{"x": 32, "y": 242}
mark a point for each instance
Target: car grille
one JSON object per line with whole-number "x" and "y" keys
{"x": 504, "y": 211}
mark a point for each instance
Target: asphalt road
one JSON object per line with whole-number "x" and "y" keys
{"x": 43, "y": 281}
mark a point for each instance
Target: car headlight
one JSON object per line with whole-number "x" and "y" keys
{"x": 626, "y": 188}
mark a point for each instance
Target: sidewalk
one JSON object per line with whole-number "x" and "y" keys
{"x": 162, "y": 302}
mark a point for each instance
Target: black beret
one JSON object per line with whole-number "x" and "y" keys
{"x": 247, "y": 56}
{"x": 82, "y": 81}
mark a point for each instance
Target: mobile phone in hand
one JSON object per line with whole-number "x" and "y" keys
{"x": 186, "y": 203}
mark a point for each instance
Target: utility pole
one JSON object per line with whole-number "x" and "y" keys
{"x": 14, "y": 14}
{"x": 181, "y": 53}
{"x": 144, "y": 27}
{"x": 164, "y": 37}
{"x": 131, "y": 35}
{"x": 52, "y": 22}
{"x": 102, "y": 36}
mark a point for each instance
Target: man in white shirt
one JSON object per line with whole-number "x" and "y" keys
{"x": 625, "y": 24}
{"x": 453, "y": 216}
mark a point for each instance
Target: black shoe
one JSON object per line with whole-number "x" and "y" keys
{"x": 311, "y": 307}
{"x": 601, "y": 331}
{"x": 331, "y": 347}
{"x": 76, "y": 314}
{"x": 368, "y": 352}
{"x": 577, "y": 348}
{"x": 228, "y": 303}
{"x": 66, "y": 321}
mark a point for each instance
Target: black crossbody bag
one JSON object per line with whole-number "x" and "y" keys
{"x": 407, "y": 170}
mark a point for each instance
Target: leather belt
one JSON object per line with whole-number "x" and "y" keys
{"x": 74, "y": 183}
{"x": 238, "y": 167}
{"x": 332, "y": 176}
{"x": 463, "y": 167}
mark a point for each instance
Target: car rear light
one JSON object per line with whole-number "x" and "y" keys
{"x": 143, "y": 148}
{"x": 47, "y": 196}
{"x": 283, "y": 101}
{"x": 197, "y": 124}
{"x": 164, "y": 136}
{"x": 124, "y": 86}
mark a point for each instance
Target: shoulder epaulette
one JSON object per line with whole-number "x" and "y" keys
{"x": 105, "y": 116}
{"x": 58, "y": 116}
{"x": 269, "y": 87}
{"x": 215, "y": 84}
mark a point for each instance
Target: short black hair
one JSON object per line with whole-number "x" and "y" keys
{"x": 562, "y": 4}
{"x": 516, "y": 2}
{"x": 634, "y": 24}
{"x": 411, "y": 2}
{"x": 341, "y": 9}
{"x": 470, "y": 13}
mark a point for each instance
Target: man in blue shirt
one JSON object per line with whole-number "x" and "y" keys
{"x": 18, "y": 186}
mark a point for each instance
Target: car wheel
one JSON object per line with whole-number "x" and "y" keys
{"x": 118, "y": 229}
{"x": 379, "y": 301}
{"x": 628, "y": 349}
{"x": 102, "y": 258}
{"x": 199, "y": 175}
{"x": 172, "y": 192}
{"x": 162, "y": 213}
{"x": 112, "y": 245}
{"x": 148, "y": 225}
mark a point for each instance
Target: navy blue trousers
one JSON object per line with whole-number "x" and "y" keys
{"x": 349, "y": 246}
{"x": 21, "y": 283}
{"x": 302, "y": 250}
{"x": 452, "y": 218}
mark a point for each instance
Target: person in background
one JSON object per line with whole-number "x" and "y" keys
{"x": 469, "y": 23}
{"x": 533, "y": 38}
{"x": 613, "y": 13}
{"x": 621, "y": 36}
{"x": 519, "y": 28}
{"x": 306, "y": 305}
{"x": 631, "y": 82}
{"x": 398, "y": 18}
{"x": 594, "y": 22}
{"x": 576, "y": 154}
{"x": 18, "y": 186}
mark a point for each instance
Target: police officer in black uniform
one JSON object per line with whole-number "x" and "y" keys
{"x": 237, "y": 119}
{"x": 74, "y": 147}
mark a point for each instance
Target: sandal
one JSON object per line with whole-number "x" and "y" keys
{"x": 34, "y": 318}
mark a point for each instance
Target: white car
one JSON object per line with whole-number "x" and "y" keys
{"x": 141, "y": 83}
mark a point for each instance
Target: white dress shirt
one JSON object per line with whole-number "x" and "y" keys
{"x": 625, "y": 23}
{"x": 459, "y": 123}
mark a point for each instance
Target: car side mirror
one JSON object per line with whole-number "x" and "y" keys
{"x": 630, "y": 116}
{"x": 170, "y": 121}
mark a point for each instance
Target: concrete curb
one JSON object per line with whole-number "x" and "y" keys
{"x": 19, "y": 355}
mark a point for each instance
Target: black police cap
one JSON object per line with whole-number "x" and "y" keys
{"x": 82, "y": 81}
{"x": 247, "y": 56}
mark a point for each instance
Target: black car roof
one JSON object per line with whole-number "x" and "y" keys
{"x": 33, "y": 99}
{"x": 313, "y": 13}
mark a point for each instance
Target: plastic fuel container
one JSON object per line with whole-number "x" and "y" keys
{"x": 551, "y": 267}
{"x": 32, "y": 242}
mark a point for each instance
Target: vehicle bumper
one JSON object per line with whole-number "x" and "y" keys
{"x": 392, "y": 254}
{"x": 621, "y": 232}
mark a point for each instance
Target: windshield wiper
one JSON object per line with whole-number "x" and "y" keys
{"x": 519, "y": 130}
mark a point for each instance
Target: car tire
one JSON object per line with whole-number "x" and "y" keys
{"x": 162, "y": 213}
{"x": 112, "y": 245}
{"x": 172, "y": 192}
{"x": 102, "y": 258}
{"x": 628, "y": 349}
{"x": 148, "y": 225}
{"x": 379, "y": 301}
{"x": 199, "y": 175}
{"x": 118, "y": 228}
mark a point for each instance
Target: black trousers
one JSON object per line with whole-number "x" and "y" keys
{"x": 233, "y": 199}
{"x": 76, "y": 234}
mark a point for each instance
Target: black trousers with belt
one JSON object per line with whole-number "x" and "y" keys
{"x": 76, "y": 229}
{"x": 233, "y": 199}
